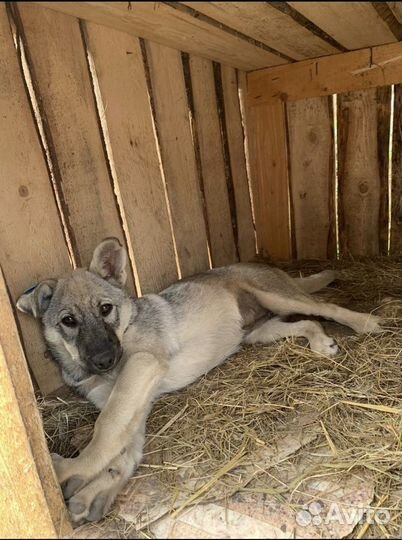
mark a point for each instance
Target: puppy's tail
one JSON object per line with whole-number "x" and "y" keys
{"x": 316, "y": 282}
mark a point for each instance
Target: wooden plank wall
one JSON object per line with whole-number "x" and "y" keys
{"x": 396, "y": 204}
{"x": 311, "y": 156}
{"x": 179, "y": 162}
{"x": 299, "y": 175}
{"x": 267, "y": 136}
{"x": 139, "y": 148}
{"x": 359, "y": 174}
{"x": 212, "y": 171}
{"x": 32, "y": 243}
{"x": 369, "y": 183}
{"x": 70, "y": 118}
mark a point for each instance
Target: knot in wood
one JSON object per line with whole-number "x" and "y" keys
{"x": 363, "y": 187}
{"x": 23, "y": 191}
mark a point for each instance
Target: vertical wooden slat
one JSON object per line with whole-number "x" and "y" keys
{"x": 23, "y": 508}
{"x": 266, "y": 126}
{"x": 222, "y": 244}
{"x": 244, "y": 109}
{"x": 311, "y": 155}
{"x": 57, "y": 59}
{"x": 235, "y": 137}
{"x": 383, "y": 98}
{"x": 40, "y": 462}
{"x": 359, "y": 174}
{"x": 122, "y": 81}
{"x": 396, "y": 206}
{"x": 179, "y": 164}
{"x": 32, "y": 245}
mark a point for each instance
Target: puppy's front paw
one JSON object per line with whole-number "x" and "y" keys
{"x": 83, "y": 508}
{"x": 69, "y": 481}
{"x": 71, "y": 486}
{"x": 62, "y": 466}
{"x": 94, "y": 500}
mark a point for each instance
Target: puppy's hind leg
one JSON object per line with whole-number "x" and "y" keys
{"x": 286, "y": 304}
{"x": 275, "y": 329}
{"x": 316, "y": 282}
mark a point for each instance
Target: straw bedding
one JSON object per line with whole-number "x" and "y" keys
{"x": 227, "y": 433}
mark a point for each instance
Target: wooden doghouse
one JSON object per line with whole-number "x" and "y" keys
{"x": 198, "y": 133}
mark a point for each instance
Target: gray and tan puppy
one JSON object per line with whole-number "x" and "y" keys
{"x": 122, "y": 353}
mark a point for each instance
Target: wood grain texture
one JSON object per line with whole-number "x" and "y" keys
{"x": 311, "y": 158}
{"x": 61, "y": 78}
{"x": 388, "y": 16}
{"x": 353, "y": 24}
{"x": 32, "y": 245}
{"x": 122, "y": 81}
{"x": 262, "y": 22}
{"x": 359, "y": 174}
{"x": 396, "y": 8}
{"x": 297, "y": 17}
{"x": 221, "y": 237}
{"x": 23, "y": 508}
{"x": 235, "y": 139}
{"x": 358, "y": 70}
{"x": 383, "y": 99}
{"x": 267, "y": 137}
{"x": 243, "y": 93}
{"x": 168, "y": 26}
{"x": 18, "y": 375}
{"x": 178, "y": 158}
{"x": 396, "y": 197}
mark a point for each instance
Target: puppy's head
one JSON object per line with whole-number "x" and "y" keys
{"x": 83, "y": 314}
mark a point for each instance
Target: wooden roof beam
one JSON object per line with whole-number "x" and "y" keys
{"x": 355, "y": 70}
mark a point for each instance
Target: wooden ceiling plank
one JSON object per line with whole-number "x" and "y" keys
{"x": 163, "y": 24}
{"x": 236, "y": 30}
{"x": 396, "y": 8}
{"x": 302, "y": 21}
{"x": 387, "y": 15}
{"x": 263, "y": 22}
{"x": 353, "y": 24}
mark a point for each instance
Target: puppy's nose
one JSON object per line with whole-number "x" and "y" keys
{"x": 103, "y": 360}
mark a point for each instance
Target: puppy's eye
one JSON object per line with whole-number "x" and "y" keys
{"x": 105, "y": 309}
{"x": 69, "y": 321}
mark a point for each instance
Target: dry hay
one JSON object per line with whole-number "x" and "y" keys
{"x": 202, "y": 439}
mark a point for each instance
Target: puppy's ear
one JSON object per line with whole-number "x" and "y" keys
{"x": 36, "y": 300}
{"x": 109, "y": 261}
